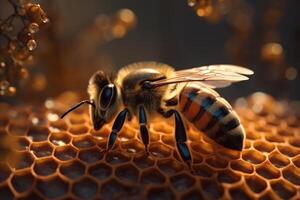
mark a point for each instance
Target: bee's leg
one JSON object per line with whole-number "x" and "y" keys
{"x": 143, "y": 127}
{"x": 180, "y": 135}
{"x": 117, "y": 126}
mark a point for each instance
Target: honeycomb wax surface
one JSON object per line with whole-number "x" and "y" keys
{"x": 62, "y": 159}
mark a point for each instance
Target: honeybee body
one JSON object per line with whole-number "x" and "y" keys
{"x": 147, "y": 88}
{"x": 212, "y": 115}
{"x": 200, "y": 105}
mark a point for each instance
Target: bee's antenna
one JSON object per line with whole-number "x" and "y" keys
{"x": 76, "y": 106}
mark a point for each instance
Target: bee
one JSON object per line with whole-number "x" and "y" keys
{"x": 146, "y": 89}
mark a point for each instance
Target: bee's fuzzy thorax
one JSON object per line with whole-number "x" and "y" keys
{"x": 165, "y": 69}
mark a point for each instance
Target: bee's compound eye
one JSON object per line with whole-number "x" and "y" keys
{"x": 106, "y": 96}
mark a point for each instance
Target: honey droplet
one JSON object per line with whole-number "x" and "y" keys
{"x": 191, "y": 3}
{"x": 24, "y": 73}
{"x": 33, "y": 28}
{"x": 127, "y": 15}
{"x": 11, "y": 91}
{"x": 31, "y": 45}
{"x": 272, "y": 52}
{"x": 291, "y": 73}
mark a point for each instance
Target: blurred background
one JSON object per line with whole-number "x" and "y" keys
{"x": 85, "y": 36}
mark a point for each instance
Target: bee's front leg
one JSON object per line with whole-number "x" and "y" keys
{"x": 143, "y": 127}
{"x": 117, "y": 126}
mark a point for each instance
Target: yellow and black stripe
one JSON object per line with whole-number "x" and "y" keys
{"x": 213, "y": 115}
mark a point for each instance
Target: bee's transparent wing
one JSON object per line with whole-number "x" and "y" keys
{"x": 214, "y": 76}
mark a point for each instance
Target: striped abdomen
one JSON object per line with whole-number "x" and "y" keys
{"x": 212, "y": 114}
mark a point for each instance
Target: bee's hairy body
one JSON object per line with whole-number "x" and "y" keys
{"x": 147, "y": 88}
{"x": 199, "y": 104}
{"x": 133, "y": 95}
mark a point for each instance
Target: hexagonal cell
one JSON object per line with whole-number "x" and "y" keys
{"x": 253, "y": 156}
{"x": 296, "y": 161}
{"x": 115, "y": 157}
{"x": 228, "y": 154}
{"x": 288, "y": 150}
{"x": 285, "y": 132}
{"x": 22, "y": 143}
{"x": 202, "y": 147}
{"x": 268, "y": 171}
{"x": 18, "y": 128}
{"x": 278, "y": 160}
{"x": 295, "y": 142}
{"x": 255, "y": 183}
{"x": 212, "y": 189}
{"x": 60, "y": 138}
{"x": 79, "y": 129}
{"x": 41, "y": 149}
{"x": 253, "y": 135}
{"x": 152, "y": 176}
{"x": 168, "y": 139}
{"x": 159, "y": 150}
{"x": 65, "y": 153}
{"x": 77, "y": 119}
{"x": 283, "y": 189}
{"x": 25, "y": 159}
{"x": 72, "y": 170}
{"x": 154, "y": 137}
{"x": 160, "y": 193}
{"x": 203, "y": 170}
{"x": 85, "y": 188}
{"x": 239, "y": 193}
{"x": 90, "y": 155}
{"x": 274, "y": 138}
{"x": 170, "y": 166}
{"x": 182, "y": 182}
{"x": 83, "y": 142}
{"x": 292, "y": 174}
{"x": 126, "y": 134}
{"x": 242, "y": 166}
{"x": 57, "y": 126}
{"x": 100, "y": 171}
{"x": 23, "y": 181}
{"x": 113, "y": 189}
{"x": 162, "y": 127}
{"x": 133, "y": 146}
{"x": 127, "y": 172}
{"x": 45, "y": 167}
{"x": 51, "y": 188}
{"x": 216, "y": 162}
{"x": 228, "y": 176}
{"x": 263, "y": 146}
{"x": 4, "y": 172}
{"x": 6, "y": 193}
{"x": 38, "y": 134}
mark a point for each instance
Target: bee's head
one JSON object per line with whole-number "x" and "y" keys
{"x": 103, "y": 99}
{"x": 104, "y": 94}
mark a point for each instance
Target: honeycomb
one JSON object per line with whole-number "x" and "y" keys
{"x": 62, "y": 159}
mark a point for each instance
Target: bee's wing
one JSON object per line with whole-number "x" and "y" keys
{"x": 214, "y": 76}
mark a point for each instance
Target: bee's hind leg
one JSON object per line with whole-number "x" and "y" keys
{"x": 117, "y": 126}
{"x": 143, "y": 127}
{"x": 180, "y": 135}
